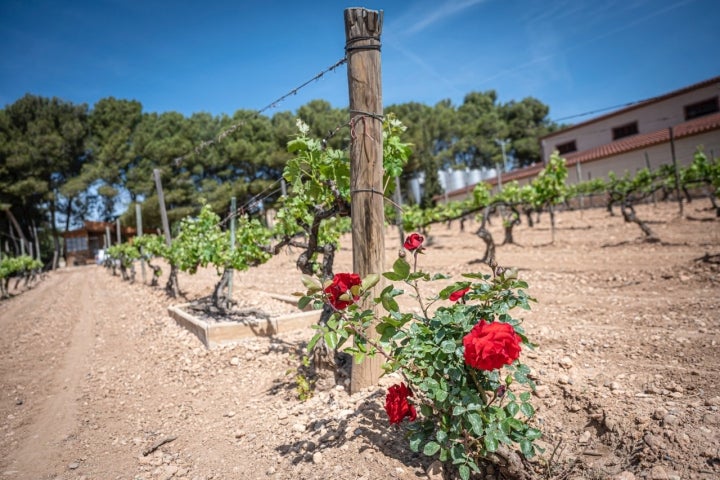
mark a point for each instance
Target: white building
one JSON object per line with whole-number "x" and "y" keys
{"x": 642, "y": 135}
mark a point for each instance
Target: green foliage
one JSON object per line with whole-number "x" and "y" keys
{"x": 18, "y": 266}
{"x": 125, "y": 253}
{"x": 549, "y": 185}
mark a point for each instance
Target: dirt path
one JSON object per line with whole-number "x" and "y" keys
{"x": 57, "y": 418}
{"x": 93, "y": 372}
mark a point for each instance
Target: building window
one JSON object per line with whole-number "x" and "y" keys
{"x": 76, "y": 244}
{"x": 566, "y": 147}
{"x": 706, "y": 107}
{"x": 625, "y": 130}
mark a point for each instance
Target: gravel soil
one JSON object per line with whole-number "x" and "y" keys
{"x": 98, "y": 382}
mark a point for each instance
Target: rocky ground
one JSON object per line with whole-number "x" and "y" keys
{"x": 98, "y": 382}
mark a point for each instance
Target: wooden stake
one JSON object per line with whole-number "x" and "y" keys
{"x": 675, "y": 169}
{"x": 138, "y": 224}
{"x": 233, "y": 209}
{"x": 362, "y": 34}
{"x": 163, "y": 211}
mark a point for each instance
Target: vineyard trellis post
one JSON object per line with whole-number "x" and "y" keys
{"x": 398, "y": 211}
{"x": 171, "y": 287}
{"x": 118, "y": 234}
{"x": 138, "y": 224}
{"x": 37, "y": 242}
{"x": 647, "y": 164}
{"x": 578, "y": 174}
{"x": 231, "y": 273}
{"x": 675, "y": 169}
{"x": 362, "y": 36}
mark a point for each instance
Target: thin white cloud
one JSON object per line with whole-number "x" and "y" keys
{"x": 444, "y": 10}
{"x": 539, "y": 57}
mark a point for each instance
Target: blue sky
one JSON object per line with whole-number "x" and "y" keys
{"x": 220, "y": 56}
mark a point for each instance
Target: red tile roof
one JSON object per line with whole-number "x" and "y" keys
{"x": 635, "y": 142}
{"x": 641, "y": 104}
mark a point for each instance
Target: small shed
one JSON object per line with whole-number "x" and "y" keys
{"x": 83, "y": 244}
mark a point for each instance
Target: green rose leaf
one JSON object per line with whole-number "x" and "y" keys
{"x": 311, "y": 284}
{"x": 448, "y": 346}
{"x": 476, "y": 423}
{"x": 491, "y": 443}
{"x": 370, "y": 281}
{"x": 431, "y": 448}
{"x": 304, "y": 302}
{"x": 401, "y": 268}
{"x": 526, "y": 448}
{"x": 527, "y": 409}
{"x": 464, "y": 472}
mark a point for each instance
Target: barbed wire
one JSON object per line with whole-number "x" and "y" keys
{"x": 222, "y": 135}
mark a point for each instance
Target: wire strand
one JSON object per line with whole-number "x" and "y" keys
{"x": 205, "y": 144}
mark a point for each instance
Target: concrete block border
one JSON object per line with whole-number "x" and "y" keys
{"x": 216, "y": 334}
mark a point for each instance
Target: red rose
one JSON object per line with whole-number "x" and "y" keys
{"x": 491, "y": 345}
{"x": 413, "y": 241}
{"x": 396, "y": 404}
{"x": 341, "y": 283}
{"x": 458, "y": 294}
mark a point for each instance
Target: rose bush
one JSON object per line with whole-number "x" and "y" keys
{"x": 464, "y": 391}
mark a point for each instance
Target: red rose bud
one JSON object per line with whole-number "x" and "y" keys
{"x": 413, "y": 242}
{"x": 397, "y": 405}
{"x": 458, "y": 294}
{"x": 489, "y": 346}
{"x": 341, "y": 284}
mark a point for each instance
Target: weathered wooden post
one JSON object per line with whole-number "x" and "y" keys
{"x": 37, "y": 243}
{"x": 675, "y": 169}
{"x": 138, "y": 224}
{"x": 171, "y": 286}
{"x": 163, "y": 211}
{"x": 362, "y": 35}
{"x": 647, "y": 164}
{"x": 578, "y": 173}
{"x": 233, "y": 210}
{"x": 117, "y": 231}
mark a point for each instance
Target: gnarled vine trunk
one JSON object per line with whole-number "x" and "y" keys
{"x": 171, "y": 287}
{"x": 629, "y": 215}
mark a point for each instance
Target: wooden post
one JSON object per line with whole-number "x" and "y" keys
{"x": 171, "y": 287}
{"x": 647, "y": 164}
{"x": 138, "y": 224}
{"x": 675, "y": 168}
{"x": 19, "y": 231}
{"x": 578, "y": 172}
{"x": 37, "y": 243}
{"x": 163, "y": 211}
{"x": 117, "y": 231}
{"x": 398, "y": 211}
{"x": 233, "y": 209}
{"x": 108, "y": 238}
{"x": 362, "y": 35}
